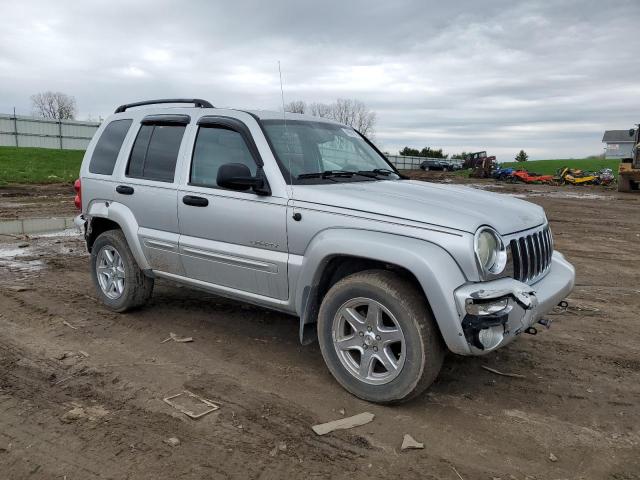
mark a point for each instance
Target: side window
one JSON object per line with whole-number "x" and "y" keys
{"x": 106, "y": 151}
{"x": 214, "y": 147}
{"x": 155, "y": 152}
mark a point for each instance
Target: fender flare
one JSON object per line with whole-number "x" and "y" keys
{"x": 434, "y": 268}
{"x": 123, "y": 216}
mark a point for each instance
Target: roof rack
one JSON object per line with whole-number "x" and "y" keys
{"x": 198, "y": 102}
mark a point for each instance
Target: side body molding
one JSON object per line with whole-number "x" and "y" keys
{"x": 434, "y": 268}
{"x": 120, "y": 214}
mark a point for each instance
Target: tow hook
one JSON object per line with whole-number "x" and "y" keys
{"x": 531, "y": 330}
{"x": 545, "y": 322}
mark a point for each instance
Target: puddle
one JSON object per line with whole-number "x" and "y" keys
{"x": 548, "y": 194}
{"x": 42, "y": 249}
{"x": 11, "y": 252}
{"x": 581, "y": 196}
{"x": 69, "y": 232}
{"x": 483, "y": 186}
{"x": 20, "y": 260}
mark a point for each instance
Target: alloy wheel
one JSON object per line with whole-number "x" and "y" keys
{"x": 368, "y": 340}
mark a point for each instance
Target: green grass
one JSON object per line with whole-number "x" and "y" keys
{"x": 44, "y": 165}
{"x": 549, "y": 167}
{"x": 39, "y": 165}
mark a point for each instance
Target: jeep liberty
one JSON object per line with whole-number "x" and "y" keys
{"x": 305, "y": 216}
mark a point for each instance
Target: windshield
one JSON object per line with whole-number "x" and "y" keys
{"x": 320, "y": 152}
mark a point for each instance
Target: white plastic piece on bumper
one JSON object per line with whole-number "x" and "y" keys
{"x": 79, "y": 222}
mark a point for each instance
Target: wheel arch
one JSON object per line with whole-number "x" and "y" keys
{"x": 336, "y": 253}
{"x": 105, "y": 216}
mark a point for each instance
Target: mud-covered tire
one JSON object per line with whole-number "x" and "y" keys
{"x": 136, "y": 286}
{"x": 422, "y": 346}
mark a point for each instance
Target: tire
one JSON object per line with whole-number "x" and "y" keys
{"x": 135, "y": 287}
{"x": 403, "y": 305}
{"x": 624, "y": 184}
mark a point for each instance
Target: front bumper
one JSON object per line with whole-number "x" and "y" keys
{"x": 526, "y": 304}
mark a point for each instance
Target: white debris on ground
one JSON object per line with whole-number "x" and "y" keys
{"x": 344, "y": 423}
{"x": 408, "y": 443}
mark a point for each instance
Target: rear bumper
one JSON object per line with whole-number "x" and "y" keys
{"x": 526, "y": 304}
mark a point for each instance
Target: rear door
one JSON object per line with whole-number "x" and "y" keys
{"x": 235, "y": 240}
{"x": 149, "y": 189}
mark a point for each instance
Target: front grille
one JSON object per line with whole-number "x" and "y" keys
{"x": 531, "y": 255}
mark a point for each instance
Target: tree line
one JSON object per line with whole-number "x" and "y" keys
{"x": 348, "y": 111}
{"x": 438, "y": 153}
{"x": 430, "y": 153}
{"x": 60, "y": 106}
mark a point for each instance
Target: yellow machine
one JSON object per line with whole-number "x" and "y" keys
{"x": 629, "y": 169}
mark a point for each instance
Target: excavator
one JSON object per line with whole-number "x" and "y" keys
{"x": 629, "y": 169}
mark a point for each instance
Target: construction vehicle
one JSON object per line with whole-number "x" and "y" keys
{"x": 629, "y": 169}
{"x": 480, "y": 163}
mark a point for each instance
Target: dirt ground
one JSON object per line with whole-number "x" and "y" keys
{"x": 26, "y": 201}
{"x": 81, "y": 388}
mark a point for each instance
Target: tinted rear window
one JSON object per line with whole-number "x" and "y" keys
{"x": 155, "y": 152}
{"x": 106, "y": 151}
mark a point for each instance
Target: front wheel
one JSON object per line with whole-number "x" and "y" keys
{"x": 378, "y": 337}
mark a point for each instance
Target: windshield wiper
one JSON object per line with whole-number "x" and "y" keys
{"x": 327, "y": 174}
{"x": 376, "y": 171}
{"x": 347, "y": 174}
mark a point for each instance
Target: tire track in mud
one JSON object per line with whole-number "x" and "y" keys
{"x": 27, "y": 384}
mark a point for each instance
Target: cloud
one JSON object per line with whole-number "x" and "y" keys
{"x": 545, "y": 76}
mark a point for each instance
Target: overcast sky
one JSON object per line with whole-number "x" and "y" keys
{"x": 545, "y": 76}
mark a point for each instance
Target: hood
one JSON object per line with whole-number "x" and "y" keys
{"x": 452, "y": 206}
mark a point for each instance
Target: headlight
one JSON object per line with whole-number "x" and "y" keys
{"x": 490, "y": 251}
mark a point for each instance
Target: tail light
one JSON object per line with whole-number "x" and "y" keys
{"x": 78, "y": 200}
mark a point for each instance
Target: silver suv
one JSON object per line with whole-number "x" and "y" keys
{"x": 304, "y": 215}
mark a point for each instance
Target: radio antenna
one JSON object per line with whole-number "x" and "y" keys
{"x": 286, "y": 133}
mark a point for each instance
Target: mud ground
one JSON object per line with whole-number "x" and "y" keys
{"x": 26, "y": 201}
{"x": 81, "y": 388}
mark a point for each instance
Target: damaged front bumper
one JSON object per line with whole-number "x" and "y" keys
{"x": 493, "y": 313}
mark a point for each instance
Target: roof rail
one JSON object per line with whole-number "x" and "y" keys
{"x": 198, "y": 102}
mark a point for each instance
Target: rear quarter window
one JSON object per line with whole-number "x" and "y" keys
{"x": 106, "y": 151}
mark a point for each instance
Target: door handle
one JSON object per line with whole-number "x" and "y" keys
{"x": 124, "y": 189}
{"x": 195, "y": 201}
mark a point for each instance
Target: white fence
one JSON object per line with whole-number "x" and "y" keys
{"x": 402, "y": 162}
{"x": 23, "y": 131}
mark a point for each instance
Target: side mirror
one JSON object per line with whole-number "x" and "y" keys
{"x": 237, "y": 176}
{"x": 632, "y": 132}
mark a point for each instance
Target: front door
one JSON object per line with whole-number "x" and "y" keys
{"x": 236, "y": 241}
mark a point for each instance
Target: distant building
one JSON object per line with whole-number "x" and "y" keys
{"x": 619, "y": 143}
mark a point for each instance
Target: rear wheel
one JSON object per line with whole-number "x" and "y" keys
{"x": 378, "y": 338}
{"x": 119, "y": 282}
